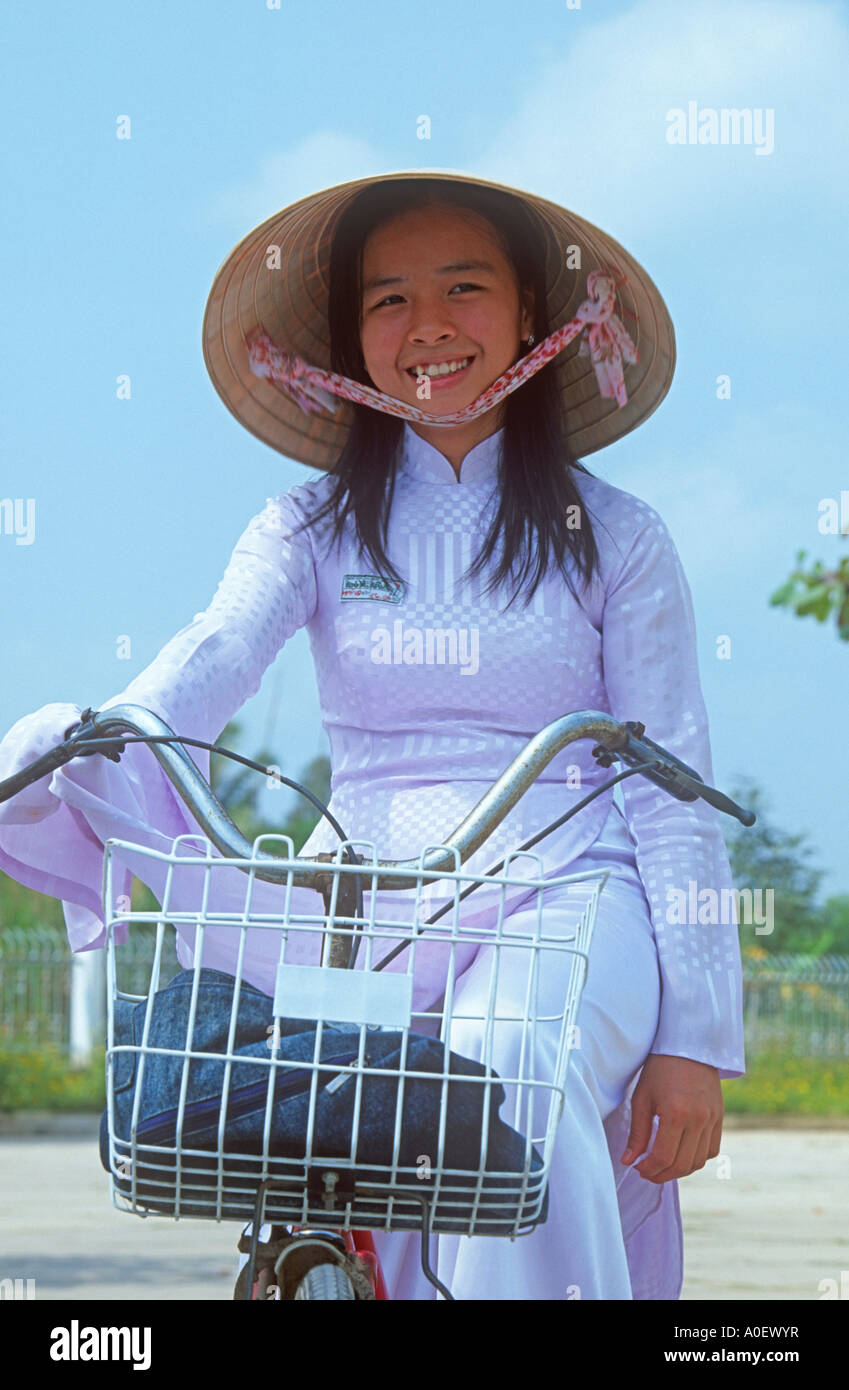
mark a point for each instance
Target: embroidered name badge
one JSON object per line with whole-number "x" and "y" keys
{"x": 371, "y": 586}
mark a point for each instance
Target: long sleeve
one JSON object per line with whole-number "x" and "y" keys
{"x": 213, "y": 665}
{"x": 651, "y": 674}
{"x": 199, "y": 679}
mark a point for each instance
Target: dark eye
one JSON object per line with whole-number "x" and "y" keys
{"x": 385, "y": 300}
{"x": 466, "y": 285}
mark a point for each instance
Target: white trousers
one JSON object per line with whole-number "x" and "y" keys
{"x": 579, "y": 1252}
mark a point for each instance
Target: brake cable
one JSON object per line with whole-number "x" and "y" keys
{"x": 113, "y": 746}
{"x": 555, "y": 825}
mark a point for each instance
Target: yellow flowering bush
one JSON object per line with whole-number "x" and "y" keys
{"x": 778, "y": 1084}
{"x": 43, "y": 1080}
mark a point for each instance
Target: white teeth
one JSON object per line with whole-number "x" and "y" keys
{"x": 442, "y": 368}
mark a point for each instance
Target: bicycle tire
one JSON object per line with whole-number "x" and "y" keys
{"x": 326, "y": 1281}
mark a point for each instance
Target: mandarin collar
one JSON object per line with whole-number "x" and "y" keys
{"x": 426, "y": 464}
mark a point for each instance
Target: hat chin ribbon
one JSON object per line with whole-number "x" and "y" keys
{"x": 606, "y": 343}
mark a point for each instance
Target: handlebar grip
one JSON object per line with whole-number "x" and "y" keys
{"x": 47, "y": 763}
{"x": 684, "y": 774}
{"x": 724, "y": 803}
{"x": 673, "y": 775}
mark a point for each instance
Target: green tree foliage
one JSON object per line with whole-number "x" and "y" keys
{"x": 240, "y": 789}
{"x": 834, "y": 927}
{"x": 817, "y": 592}
{"x": 303, "y": 820}
{"x": 762, "y": 857}
{"x": 23, "y": 907}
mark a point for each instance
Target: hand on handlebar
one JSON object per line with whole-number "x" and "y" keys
{"x": 28, "y": 739}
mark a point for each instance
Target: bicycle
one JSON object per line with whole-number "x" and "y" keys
{"x": 340, "y": 1173}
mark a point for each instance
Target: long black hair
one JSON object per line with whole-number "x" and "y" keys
{"x": 535, "y": 482}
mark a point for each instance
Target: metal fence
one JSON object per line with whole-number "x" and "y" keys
{"x": 37, "y": 984}
{"x": 798, "y": 1005}
{"x": 35, "y": 987}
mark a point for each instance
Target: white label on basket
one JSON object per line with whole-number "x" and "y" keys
{"x": 343, "y": 996}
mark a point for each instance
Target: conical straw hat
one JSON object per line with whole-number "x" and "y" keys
{"x": 275, "y": 281}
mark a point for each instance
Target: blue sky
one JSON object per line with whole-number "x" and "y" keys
{"x": 110, "y": 247}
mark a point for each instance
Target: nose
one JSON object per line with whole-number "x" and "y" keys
{"x": 430, "y": 322}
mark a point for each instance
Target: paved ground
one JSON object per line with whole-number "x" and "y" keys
{"x": 768, "y": 1219}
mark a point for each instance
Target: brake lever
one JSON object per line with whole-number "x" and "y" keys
{"x": 670, "y": 773}
{"x": 84, "y": 729}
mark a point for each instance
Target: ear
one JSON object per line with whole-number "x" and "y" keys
{"x": 526, "y": 322}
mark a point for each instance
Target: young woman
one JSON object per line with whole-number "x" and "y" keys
{"x": 454, "y": 516}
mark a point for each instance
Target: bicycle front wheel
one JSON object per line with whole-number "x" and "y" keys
{"x": 326, "y": 1281}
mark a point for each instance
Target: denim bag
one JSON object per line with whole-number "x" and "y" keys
{"x": 466, "y": 1103}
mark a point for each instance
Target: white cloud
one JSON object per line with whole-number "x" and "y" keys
{"x": 592, "y": 132}
{"x": 747, "y": 491}
{"x": 322, "y": 159}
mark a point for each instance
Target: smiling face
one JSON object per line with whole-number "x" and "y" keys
{"x": 440, "y": 294}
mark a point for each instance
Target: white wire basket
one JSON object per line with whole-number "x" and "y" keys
{"x": 248, "y": 1081}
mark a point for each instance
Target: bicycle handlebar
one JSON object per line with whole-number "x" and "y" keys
{"x": 48, "y": 762}
{"x": 624, "y": 742}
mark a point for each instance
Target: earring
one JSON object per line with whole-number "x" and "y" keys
{"x": 531, "y": 340}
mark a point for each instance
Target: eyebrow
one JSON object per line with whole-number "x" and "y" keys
{"x": 378, "y": 281}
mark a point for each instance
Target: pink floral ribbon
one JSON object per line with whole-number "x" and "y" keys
{"x": 606, "y": 343}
